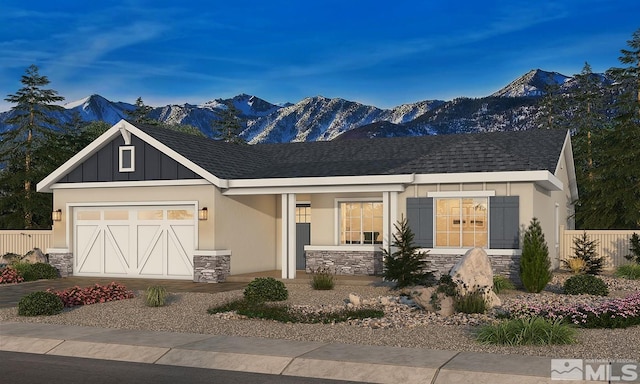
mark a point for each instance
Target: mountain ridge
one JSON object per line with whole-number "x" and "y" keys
{"x": 315, "y": 118}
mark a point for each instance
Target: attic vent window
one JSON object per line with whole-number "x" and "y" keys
{"x": 127, "y": 158}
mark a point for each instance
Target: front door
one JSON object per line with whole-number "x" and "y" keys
{"x": 303, "y": 237}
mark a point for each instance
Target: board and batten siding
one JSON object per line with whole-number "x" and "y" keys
{"x": 150, "y": 164}
{"x": 22, "y": 241}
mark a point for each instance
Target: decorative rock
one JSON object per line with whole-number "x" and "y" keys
{"x": 355, "y": 299}
{"x": 474, "y": 273}
{"x": 35, "y": 256}
{"x": 443, "y": 305}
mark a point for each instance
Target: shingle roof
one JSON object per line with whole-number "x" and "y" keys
{"x": 481, "y": 152}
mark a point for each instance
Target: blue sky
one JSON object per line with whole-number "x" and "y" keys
{"x": 376, "y": 52}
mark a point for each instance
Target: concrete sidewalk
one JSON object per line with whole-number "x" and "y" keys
{"x": 364, "y": 363}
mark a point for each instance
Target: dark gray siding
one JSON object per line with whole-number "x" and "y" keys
{"x": 150, "y": 164}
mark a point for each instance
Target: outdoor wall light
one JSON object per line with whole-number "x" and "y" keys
{"x": 203, "y": 214}
{"x": 56, "y": 215}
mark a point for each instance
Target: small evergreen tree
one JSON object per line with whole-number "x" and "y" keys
{"x": 140, "y": 113}
{"x": 535, "y": 266}
{"x": 585, "y": 249}
{"x": 634, "y": 248}
{"x": 406, "y": 266}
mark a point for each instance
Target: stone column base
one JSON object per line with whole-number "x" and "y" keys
{"x": 345, "y": 262}
{"x": 211, "y": 266}
{"x": 62, "y": 260}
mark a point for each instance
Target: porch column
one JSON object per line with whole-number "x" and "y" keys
{"x": 389, "y": 217}
{"x": 288, "y": 235}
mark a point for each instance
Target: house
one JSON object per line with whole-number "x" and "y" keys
{"x": 142, "y": 201}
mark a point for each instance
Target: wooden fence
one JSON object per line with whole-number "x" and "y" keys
{"x": 22, "y": 241}
{"x": 613, "y": 245}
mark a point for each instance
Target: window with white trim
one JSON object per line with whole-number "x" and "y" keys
{"x": 360, "y": 222}
{"x": 303, "y": 213}
{"x": 126, "y": 158}
{"x": 461, "y": 222}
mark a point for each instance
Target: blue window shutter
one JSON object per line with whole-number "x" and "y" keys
{"x": 504, "y": 219}
{"x": 420, "y": 220}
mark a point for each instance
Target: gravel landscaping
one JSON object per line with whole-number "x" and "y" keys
{"x": 402, "y": 326}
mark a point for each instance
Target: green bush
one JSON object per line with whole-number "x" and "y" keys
{"x": 585, "y": 284}
{"x": 501, "y": 283}
{"x": 535, "y": 266}
{"x": 406, "y": 266}
{"x": 470, "y": 303}
{"x": 155, "y": 296}
{"x": 629, "y": 271}
{"x": 36, "y": 271}
{"x": 322, "y": 280}
{"x": 527, "y": 331}
{"x": 263, "y": 289}
{"x": 40, "y": 304}
{"x": 287, "y": 314}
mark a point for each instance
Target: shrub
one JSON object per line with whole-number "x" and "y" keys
{"x": 585, "y": 284}
{"x": 585, "y": 249}
{"x": 9, "y": 275}
{"x": 534, "y": 263}
{"x": 629, "y": 271}
{"x": 406, "y": 266}
{"x": 527, "y": 331}
{"x": 40, "y": 304}
{"x": 287, "y": 314}
{"x": 447, "y": 286}
{"x": 576, "y": 265}
{"x": 36, "y": 271}
{"x": 263, "y": 289}
{"x": 155, "y": 296}
{"x": 471, "y": 303}
{"x": 93, "y": 294}
{"x": 322, "y": 279}
{"x": 634, "y": 256}
{"x": 501, "y": 283}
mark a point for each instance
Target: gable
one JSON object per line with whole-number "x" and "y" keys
{"x": 149, "y": 164}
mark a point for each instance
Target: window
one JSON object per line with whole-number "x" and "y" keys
{"x": 303, "y": 213}
{"x": 461, "y": 222}
{"x": 360, "y": 222}
{"x": 126, "y": 160}
{"x": 465, "y": 221}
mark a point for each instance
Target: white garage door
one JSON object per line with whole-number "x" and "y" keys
{"x": 135, "y": 241}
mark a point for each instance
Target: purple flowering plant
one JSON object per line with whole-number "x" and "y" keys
{"x": 612, "y": 313}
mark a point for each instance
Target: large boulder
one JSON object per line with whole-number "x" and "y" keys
{"x": 35, "y": 256}
{"x": 9, "y": 258}
{"x": 474, "y": 273}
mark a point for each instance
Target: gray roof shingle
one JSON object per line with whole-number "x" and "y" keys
{"x": 481, "y": 152}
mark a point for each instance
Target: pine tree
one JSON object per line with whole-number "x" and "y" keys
{"x": 613, "y": 201}
{"x": 30, "y": 123}
{"x": 406, "y": 266}
{"x": 585, "y": 249}
{"x": 535, "y": 266}
{"x": 228, "y": 126}
{"x": 140, "y": 114}
{"x": 553, "y": 109}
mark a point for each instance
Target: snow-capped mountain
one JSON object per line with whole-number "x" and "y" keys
{"x": 514, "y": 107}
{"x": 533, "y": 83}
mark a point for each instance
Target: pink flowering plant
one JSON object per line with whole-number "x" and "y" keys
{"x": 9, "y": 275}
{"x": 93, "y": 294}
{"x": 612, "y": 313}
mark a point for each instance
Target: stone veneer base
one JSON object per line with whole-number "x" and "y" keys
{"x": 63, "y": 262}
{"x": 345, "y": 262}
{"x": 211, "y": 268}
{"x": 505, "y": 265}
